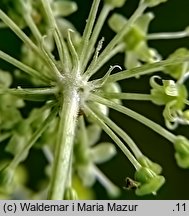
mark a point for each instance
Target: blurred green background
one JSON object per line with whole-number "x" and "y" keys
{"x": 172, "y": 16}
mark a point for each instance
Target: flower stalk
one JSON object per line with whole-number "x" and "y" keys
{"x": 64, "y": 143}
{"x": 154, "y": 126}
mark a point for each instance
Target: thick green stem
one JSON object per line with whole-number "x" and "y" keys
{"x": 64, "y": 143}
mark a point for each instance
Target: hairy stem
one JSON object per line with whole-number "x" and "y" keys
{"x": 64, "y": 143}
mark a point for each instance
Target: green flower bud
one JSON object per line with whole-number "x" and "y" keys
{"x": 113, "y": 87}
{"x": 143, "y": 22}
{"x": 170, "y": 115}
{"x": 93, "y": 133}
{"x": 9, "y": 118}
{"x": 186, "y": 115}
{"x": 23, "y": 128}
{"x": 64, "y": 26}
{"x": 63, "y": 8}
{"x": 181, "y": 146}
{"x": 144, "y": 174}
{"x": 70, "y": 194}
{"x": 5, "y": 79}
{"x": 152, "y": 3}
{"x": 170, "y": 88}
{"x": 131, "y": 60}
{"x": 133, "y": 38}
{"x": 158, "y": 93}
{"x": 20, "y": 175}
{"x": 150, "y": 181}
{"x": 10, "y": 102}
{"x": 86, "y": 174}
{"x": 169, "y": 91}
{"x": 102, "y": 108}
{"x": 102, "y": 152}
{"x": 182, "y": 160}
{"x": 151, "y": 187}
{"x": 136, "y": 47}
{"x": 182, "y": 96}
{"x": 173, "y": 113}
{"x": 84, "y": 139}
{"x": 116, "y": 22}
{"x": 177, "y": 70}
{"x": 146, "y": 162}
{"x": 6, "y": 179}
{"x": 16, "y": 144}
{"x": 115, "y": 3}
{"x": 81, "y": 154}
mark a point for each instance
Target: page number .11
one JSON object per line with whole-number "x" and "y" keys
{"x": 181, "y": 207}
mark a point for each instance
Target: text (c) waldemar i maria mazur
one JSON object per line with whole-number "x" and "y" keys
{"x": 108, "y": 207}
{"x": 82, "y": 206}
